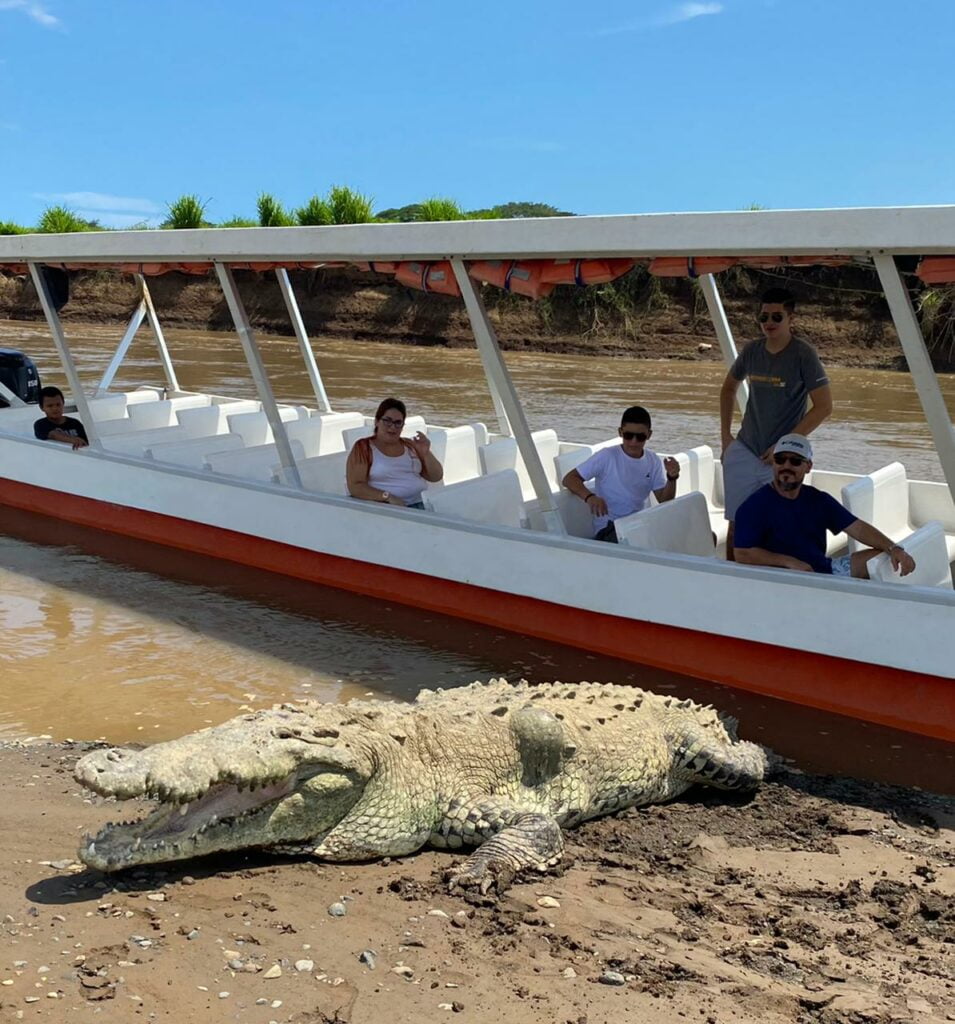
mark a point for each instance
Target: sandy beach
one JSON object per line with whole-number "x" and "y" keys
{"x": 818, "y": 900}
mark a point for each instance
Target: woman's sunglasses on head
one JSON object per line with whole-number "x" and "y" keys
{"x": 777, "y": 318}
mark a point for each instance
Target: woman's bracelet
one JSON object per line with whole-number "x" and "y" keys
{"x": 588, "y": 496}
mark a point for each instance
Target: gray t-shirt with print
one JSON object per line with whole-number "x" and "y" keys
{"x": 779, "y": 387}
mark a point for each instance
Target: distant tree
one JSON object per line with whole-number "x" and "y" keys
{"x": 315, "y": 212}
{"x": 7, "y": 227}
{"x": 529, "y": 210}
{"x": 272, "y": 214}
{"x": 402, "y": 214}
{"x": 188, "y": 211}
{"x": 348, "y": 206}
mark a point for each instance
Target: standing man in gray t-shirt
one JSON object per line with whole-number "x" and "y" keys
{"x": 783, "y": 373}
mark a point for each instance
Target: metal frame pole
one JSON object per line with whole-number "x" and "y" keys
{"x": 63, "y": 349}
{"x": 499, "y": 377}
{"x": 13, "y": 400}
{"x": 291, "y": 304}
{"x": 259, "y": 376}
{"x": 920, "y": 364}
{"x": 171, "y": 379}
{"x": 724, "y": 332}
{"x": 119, "y": 355}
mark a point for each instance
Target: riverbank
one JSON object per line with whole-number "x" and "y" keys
{"x": 819, "y": 901}
{"x": 841, "y": 311}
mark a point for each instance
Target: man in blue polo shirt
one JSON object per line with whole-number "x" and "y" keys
{"x": 784, "y": 523}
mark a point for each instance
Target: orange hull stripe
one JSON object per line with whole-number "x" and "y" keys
{"x": 912, "y": 701}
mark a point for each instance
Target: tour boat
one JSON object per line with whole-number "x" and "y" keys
{"x": 499, "y": 542}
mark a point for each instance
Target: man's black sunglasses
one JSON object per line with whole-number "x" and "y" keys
{"x": 633, "y": 435}
{"x": 793, "y": 460}
{"x": 777, "y": 318}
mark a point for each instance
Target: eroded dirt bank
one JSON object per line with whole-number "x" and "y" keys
{"x": 818, "y": 901}
{"x": 841, "y": 311}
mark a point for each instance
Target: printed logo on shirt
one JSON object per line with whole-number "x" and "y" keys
{"x": 767, "y": 380}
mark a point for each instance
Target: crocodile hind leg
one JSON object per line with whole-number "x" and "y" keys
{"x": 514, "y": 840}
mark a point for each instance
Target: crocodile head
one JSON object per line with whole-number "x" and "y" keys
{"x": 268, "y": 779}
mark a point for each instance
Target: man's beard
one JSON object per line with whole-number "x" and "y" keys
{"x": 787, "y": 485}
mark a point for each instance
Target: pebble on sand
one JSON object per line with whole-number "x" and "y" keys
{"x": 338, "y": 910}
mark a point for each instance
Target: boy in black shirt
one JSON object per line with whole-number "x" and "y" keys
{"x": 55, "y": 426}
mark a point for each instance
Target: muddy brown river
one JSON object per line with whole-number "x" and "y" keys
{"x": 104, "y": 638}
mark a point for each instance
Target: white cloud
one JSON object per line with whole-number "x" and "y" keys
{"x": 111, "y": 211}
{"x": 33, "y": 10}
{"x": 672, "y": 16}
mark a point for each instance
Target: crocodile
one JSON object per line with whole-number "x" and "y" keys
{"x": 496, "y": 766}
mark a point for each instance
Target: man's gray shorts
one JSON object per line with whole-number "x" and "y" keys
{"x": 743, "y": 474}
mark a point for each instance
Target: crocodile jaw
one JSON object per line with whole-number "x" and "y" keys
{"x": 296, "y": 810}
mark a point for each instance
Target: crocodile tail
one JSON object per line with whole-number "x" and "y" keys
{"x": 712, "y": 758}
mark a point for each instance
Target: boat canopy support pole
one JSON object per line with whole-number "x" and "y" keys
{"x": 12, "y": 399}
{"x": 63, "y": 349}
{"x": 172, "y": 381}
{"x": 724, "y": 332}
{"x": 920, "y": 365}
{"x": 119, "y": 355}
{"x": 291, "y": 304}
{"x": 498, "y": 376}
{"x": 262, "y": 385}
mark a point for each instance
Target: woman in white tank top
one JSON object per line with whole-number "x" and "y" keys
{"x": 387, "y": 467}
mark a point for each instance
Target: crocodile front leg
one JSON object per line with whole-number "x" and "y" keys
{"x": 514, "y": 839}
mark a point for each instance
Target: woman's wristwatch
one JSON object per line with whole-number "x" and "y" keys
{"x": 385, "y": 495}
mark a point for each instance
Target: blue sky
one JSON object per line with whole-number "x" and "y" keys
{"x": 116, "y": 107}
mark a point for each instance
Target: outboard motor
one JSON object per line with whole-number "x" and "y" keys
{"x": 19, "y": 373}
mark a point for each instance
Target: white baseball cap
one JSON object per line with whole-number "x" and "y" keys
{"x": 796, "y": 444}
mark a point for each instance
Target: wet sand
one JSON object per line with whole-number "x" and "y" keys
{"x": 818, "y": 899}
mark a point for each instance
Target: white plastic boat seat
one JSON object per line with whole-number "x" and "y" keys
{"x": 301, "y": 412}
{"x": 141, "y": 395}
{"x": 681, "y": 526}
{"x": 456, "y": 448}
{"x": 208, "y": 420}
{"x": 927, "y": 546}
{"x": 882, "y": 499}
{"x": 110, "y": 428}
{"x": 193, "y": 451}
{"x": 135, "y": 442}
{"x": 930, "y": 501}
{"x": 570, "y": 457}
{"x": 480, "y": 432}
{"x": 162, "y": 413}
{"x": 576, "y": 517}
{"x": 719, "y": 495}
{"x": 504, "y": 454}
{"x": 109, "y": 407}
{"x": 253, "y": 463}
{"x": 333, "y": 423}
{"x": 323, "y": 474}
{"x": 254, "y": 426}
{"x": 832, "y": 484}
{"x": 494, "y": 499}
{"x": 309, "y": 432}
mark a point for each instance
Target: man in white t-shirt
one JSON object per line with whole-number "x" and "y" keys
{"x": 624, "y": 475}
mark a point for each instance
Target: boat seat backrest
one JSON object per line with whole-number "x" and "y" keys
{"x": 108, "y": 407}
{"x": 570, "y": 457}
{"x": 504, "y": 454}
{"x": 208, "y": 420}
{"x": 352, "y": 434}
{"x": 309, "y": 432}
{"x": 573, "y": 512}
{"x": 700, "y": 473}
{"x": 323, "y": 474}
{"x": 254, "y": 427}
{"x": 457, "y": 450}
{"x": 681, "y": 526}
{"x": 494, "y": 499}
{"x": 882, "y": 499}
{"x": 480, "y": 432}
{"x": 20, "y": 419}
{"x": 927, "y": 546}
{"x": 253, "y": 463}
{"x": 928, "y": 501}
{"x": 333, "y": 423}
{"x": 162, "y": 413}
{"x": 141, "y": 395}
{"x": 135, "y": 442}
{"x": 193, "y": 451}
